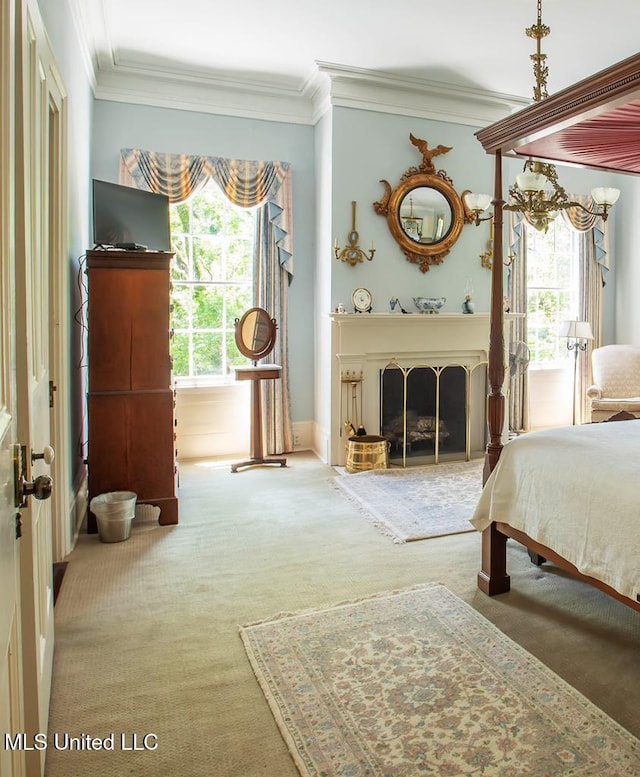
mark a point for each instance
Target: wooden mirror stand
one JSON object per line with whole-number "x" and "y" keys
{"x": 255, "y": 336}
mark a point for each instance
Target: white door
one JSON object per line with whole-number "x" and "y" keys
{"x": 11, "y": 713}
{"x": 39, "y": 143}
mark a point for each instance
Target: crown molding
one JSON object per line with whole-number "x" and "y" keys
{"x": 201, "y": 94}
{"x": 408, "y": 96}
{"x": 329, "y": 86}
{"x": 298, "y": 101}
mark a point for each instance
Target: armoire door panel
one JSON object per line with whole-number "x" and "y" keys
{"x": 128, "y": 324}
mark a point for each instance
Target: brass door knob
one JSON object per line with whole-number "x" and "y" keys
{"x": 40, "y": 488}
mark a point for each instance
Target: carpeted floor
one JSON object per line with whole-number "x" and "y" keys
{"x": 147, "y": 630}
{"x": 416, "y": 682}
{"x": 415, "y": 503}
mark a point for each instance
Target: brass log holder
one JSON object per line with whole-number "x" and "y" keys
{"x": 437, "y": 370}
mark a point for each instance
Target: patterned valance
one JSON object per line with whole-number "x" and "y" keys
{"x": 246, "y": 183}
{"x": 580, "y": 221}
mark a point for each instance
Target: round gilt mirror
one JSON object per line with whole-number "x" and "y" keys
{"x": 424, "y": 212}
{"x": 255, "y": 333}
{"x": 425, "y": 215}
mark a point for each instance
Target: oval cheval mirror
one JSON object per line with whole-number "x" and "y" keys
{"x": 255, "y": 334}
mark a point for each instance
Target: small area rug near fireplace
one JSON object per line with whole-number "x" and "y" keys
{"x": 417, "y": 502}
{"x": 417, "y": 682}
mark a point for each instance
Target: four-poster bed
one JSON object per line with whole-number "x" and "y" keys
{"x": 594, "y": 123}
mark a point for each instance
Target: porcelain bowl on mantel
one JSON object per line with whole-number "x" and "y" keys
{"x": 429, "y": 304}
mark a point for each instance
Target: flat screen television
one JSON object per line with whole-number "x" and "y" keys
{"x": 134, "y": 219}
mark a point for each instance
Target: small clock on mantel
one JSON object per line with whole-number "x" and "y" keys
{"x": 362, "y": 300}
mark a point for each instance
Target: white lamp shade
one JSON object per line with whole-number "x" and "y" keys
{"x": 576, "y": 330}
{"x": 477, "y": 202}
{"x": 605, "y": 195}
{"x": 530, "y": 182}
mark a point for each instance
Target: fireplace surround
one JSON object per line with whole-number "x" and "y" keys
{"x": 363, "y": 345}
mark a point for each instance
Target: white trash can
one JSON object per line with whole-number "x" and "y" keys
{"x": 114, "y": 513}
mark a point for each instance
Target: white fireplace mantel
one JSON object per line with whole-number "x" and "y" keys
{"x": 363, "y": 344}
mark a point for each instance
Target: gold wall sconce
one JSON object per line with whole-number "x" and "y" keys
{"x": 352, "y": 253}
{"x": 476, "y": 204}
{"x": 486, "y": 258}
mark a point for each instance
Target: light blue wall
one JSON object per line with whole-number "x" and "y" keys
{"x": 627, "y": 288}
{"x": 121, "y": 125}
{"x": 368, "y": 147}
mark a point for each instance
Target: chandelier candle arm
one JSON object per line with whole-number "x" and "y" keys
{"x": 540, "y": 197}
{"x": 605, "y": 196}
{"x": 530, "y": 182}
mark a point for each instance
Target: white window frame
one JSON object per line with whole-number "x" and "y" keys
{"x": 573, "y": 289}
{"x": 228, "y": 319}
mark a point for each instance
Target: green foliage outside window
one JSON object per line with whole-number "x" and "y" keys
{"x": 212, "y": 280}
{"x": 553, "y": 286}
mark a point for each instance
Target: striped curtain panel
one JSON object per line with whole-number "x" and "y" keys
{"x": 591, "y": 284}
{"x": 594, "y": 265}
{"x": 516, "y": 286}
{"x": 247, "y": 184}
{"x": 271, "y": 280}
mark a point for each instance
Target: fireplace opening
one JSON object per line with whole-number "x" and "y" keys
{"x": 424, "y": 412}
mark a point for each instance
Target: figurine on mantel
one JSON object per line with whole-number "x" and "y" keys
{"x": 396, "y": 307}
{"x": 467, "y": 305}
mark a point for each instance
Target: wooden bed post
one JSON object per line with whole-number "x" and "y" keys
{"x": 493, "y": 578}
{"x": 495, "y": 400}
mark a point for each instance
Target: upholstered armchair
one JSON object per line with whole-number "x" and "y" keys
{"x": 616, "y": 381}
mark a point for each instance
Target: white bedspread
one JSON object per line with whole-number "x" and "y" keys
{"x": 577, "y": 491}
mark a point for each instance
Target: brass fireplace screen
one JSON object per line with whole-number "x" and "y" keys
{"x": 426, "y": 410}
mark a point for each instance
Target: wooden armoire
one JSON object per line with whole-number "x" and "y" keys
{"x": 131, "y": 401}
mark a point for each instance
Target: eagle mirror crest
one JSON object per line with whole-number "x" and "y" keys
{"x": 424, "y": 212}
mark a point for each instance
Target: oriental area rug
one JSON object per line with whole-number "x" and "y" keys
{"x": 415, "y": 503}
{"x": 416, "y": 682}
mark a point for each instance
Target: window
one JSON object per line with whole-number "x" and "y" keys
{"x": 212, "y": 278}
{"x": 553, "y": 288}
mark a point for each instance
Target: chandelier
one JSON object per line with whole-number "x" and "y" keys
{"x": 537, "y": 192}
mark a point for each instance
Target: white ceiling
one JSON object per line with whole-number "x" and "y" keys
{"x": 273, "y": 48}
